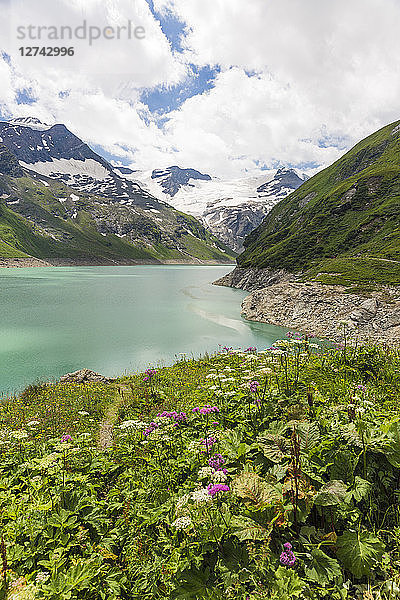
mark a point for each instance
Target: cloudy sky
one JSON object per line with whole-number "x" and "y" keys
{"x": 224, "y": 86}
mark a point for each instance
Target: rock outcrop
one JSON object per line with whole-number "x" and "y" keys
{"x": 84, "y": 376}
{"x": 315, "y": 309}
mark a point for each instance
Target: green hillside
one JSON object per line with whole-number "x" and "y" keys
{"x": 46, "y": 219}
{"x": 342, "y": 225}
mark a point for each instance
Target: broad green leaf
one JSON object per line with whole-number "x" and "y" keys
{"x": 251, "y": 487}
{"x": 345, "y": 462}
{"x": 247, "y": 529}
{"x": 360, "y": 489}
{"x": 322, "y": 568}
{"x": 287, "y": 584}
{"x": 309, "y": 435}
{"x": 331, "y": 493}
{"x": 274, "y": 447}
{"x": 359, "y": 552}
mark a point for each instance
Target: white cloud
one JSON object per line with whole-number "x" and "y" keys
{"x": 320, "y": 71}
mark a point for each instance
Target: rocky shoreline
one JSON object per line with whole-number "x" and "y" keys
{"x": 279, "y": 298}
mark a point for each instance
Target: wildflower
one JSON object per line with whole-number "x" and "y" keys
{"x": 219, "y": 476}
{"x": 83, "y": 413}
{"x": 42, "y": 576}
{"x": 201, "y": 495}
{"x": 206, "y": 409}
{"x": 216, "y": 461}
{"x": 205, "y": 472}
{"x": 182, "y": 523}
{"x": 66, "y": 438}
{"x": 33, "y": 423}
{"x": 207, "y": 443}
{"x": 254, "y": 385}
{"x": 215, "y": 489}
{"x": 150, "y": 429}
{"x": 20, "y": 434}
{"x": 251, "y": 349}
{"x": 287, "y": 558}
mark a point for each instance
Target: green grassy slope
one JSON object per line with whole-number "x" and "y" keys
{"x": 48, "y": 220}
{"x": 343, "y": 222}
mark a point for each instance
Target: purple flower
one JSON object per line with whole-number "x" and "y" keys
{"x": 216, "y": 488}
{"x": 254, "y": 385}
{"x": 206, "y": 409}
{"x": 251, "y": 349}
{"x": 208, "y": 443}
{"x": 216, "y": 461}
{"x": 288, "y": 547}
{"x": 66, "y": 438}
{"x": 287, "y": 558}
{"x": 150, "y": 429}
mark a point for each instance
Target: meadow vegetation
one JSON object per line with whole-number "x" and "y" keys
{"x": 248, "y": 474}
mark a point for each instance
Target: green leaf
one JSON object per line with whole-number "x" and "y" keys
{"x": 331, "y": 493}
{"x": 322, "y": 568}
{"x": 359, "y": 552}
{"x": 345, "y": 462}
{"x": 251, "y": 487}
{"x": 309, "y": 435}
{"x": 360, "y": 489}
{"x": 274, "y": 447}
{"x": 287, "y": 584}
{"x": 247, "y": 529}
{"x": 232, "y": 445}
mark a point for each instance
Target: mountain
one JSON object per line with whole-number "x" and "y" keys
{"x": 173, "y": 178}
{"x": 61, "y": 200}
{"x": 342, "y": 225}
{"x": 229, "y": 209}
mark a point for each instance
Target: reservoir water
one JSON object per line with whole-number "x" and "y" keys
{"x": 115, "y": 320}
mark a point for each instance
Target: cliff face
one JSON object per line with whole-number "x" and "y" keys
{"x": 314, "y": 309}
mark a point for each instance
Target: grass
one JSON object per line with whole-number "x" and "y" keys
{"x": 41, "y": 226}
{"x": 245, "y": 475}
{"x": 367, "y": 272}
{"x": 347, "y": 211}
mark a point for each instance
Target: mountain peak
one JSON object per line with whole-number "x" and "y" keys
{"x": 32, "y": 122}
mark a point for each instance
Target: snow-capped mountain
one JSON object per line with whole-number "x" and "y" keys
{"x": 229, "y": 209}
{"x": 103, "y": 198}
{"x": 57, "y": 153}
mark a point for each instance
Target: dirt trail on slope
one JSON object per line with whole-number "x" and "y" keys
{"x": 106, "y": 437}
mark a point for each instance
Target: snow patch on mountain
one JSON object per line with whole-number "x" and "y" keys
{"x": 31, "y": 122}
{"x": 72, "y": 167}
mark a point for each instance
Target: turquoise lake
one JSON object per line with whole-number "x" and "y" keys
{"x": 115, "y": 320}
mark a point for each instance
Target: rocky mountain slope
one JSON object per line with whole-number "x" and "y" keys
{"x": 229, "y": 209}
{"x": 330, "y": 251}
{"x": 59, "y": 199}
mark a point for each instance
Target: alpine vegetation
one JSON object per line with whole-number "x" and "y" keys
{"x": 246, "y": 475}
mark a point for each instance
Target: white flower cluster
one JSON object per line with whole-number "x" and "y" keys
{"x": 219, "y": 477}
{"x": 201, "y": 495}
{"x": 20, "y": 434}
{"x": 205, "y": 472}
{"x": 194, "y": 446}
{"x": 33, "y": 423}
{"x": 182, "y": 523}
{"x": 134, "y": 424}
